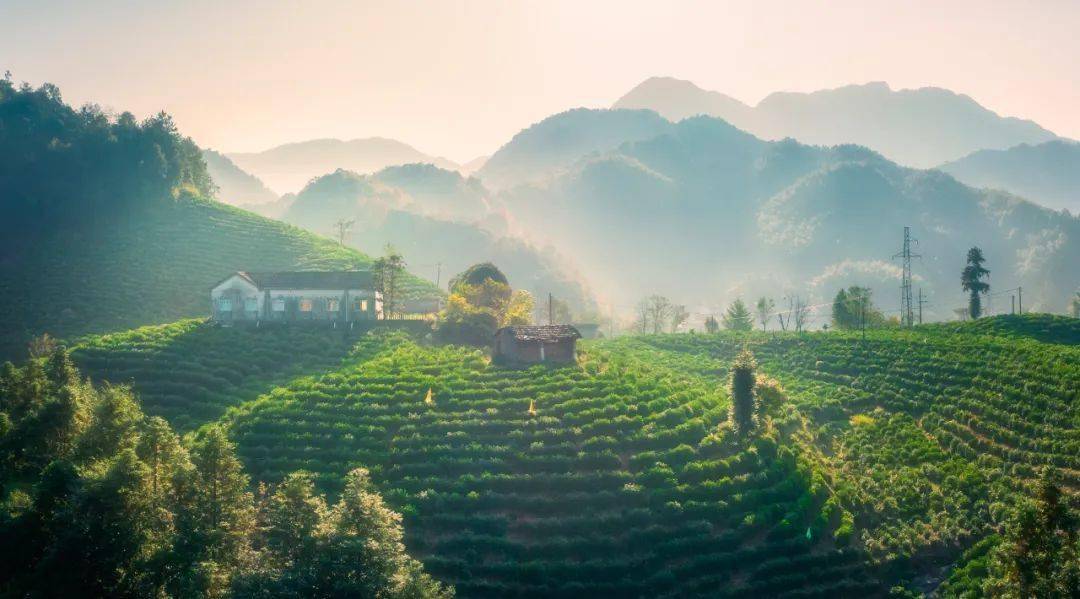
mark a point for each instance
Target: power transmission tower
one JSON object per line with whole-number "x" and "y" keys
{"x": 907, "y": 312}
{"x": 921, "y": 302}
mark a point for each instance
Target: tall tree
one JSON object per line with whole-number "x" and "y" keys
{"x": 971, "y": 280}
{"x": 711, "y": 324}
{"x": 389, "y": 272}
{"x": 853, "y": 308}
{"x": 216, "y": 518}
{"x": 765, "y": 307}
{"x": 366, "y": 548}
{"x": 738, "y": 317}
{"x": 654, "y": 314}
{"x": 743, "y": 414}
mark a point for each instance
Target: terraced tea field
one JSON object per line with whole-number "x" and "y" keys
{"x": 885, "y": 458}
{"x": 926, "y": 436}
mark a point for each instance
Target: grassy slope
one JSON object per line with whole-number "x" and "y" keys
{"x": 156, "y": 268}
{"x": 615, "y": 485}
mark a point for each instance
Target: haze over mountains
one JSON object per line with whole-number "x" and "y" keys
{"x": 440, "y": 221}
{"x": 914, "y": 127}
{"x": 287, "y": 168}
{"x": 1048, "y": 173}
{"x": 704, "y": 212}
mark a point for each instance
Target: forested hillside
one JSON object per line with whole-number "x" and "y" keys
{"x": 106, "y": 224}
{"x": 875, "y": 462}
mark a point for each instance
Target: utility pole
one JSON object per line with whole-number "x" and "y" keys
{"x": 907, "y": 313}
{"x": 1013, "y": 305}
{"x": 1020, "y": 292}
{"x": 551, "y": 310}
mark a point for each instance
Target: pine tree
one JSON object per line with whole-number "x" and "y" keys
{"x": 738, "y": 317}
{"x": 711, "y": 325}
{"x": 215, "y": 519}
{"x": 294, "y": 516}
{"x": 743, "y": 401}
{"x": 971, "y": 280}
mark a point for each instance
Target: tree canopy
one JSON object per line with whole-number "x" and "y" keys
{"x": 481, "y": 300}
{"x": 738, "y": 317}
{"x": 59, "y": 165}
{"x": 971, "y": 280}
{"x": 98, "y": 500}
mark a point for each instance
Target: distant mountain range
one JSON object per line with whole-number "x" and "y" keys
{"x": 703, "y": 212}
{"x": 914, "y": 127}
{"x": 289, "y": 167}
{"x": 440, "y": 221}
{"x": 235, "y": 186}
{"x": 1048, "y": 173}
{"x": 559, "y": 141}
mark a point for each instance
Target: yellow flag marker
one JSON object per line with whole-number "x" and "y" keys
{"x": 532, "y": 407}
{"x": 429, "y": 399}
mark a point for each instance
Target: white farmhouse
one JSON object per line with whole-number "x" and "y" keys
{"x": 317, "y": 297}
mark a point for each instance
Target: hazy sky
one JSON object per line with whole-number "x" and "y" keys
{"x": 457, "y": 79}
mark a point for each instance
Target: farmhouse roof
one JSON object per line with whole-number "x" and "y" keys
{"x": 548, "y": 333}
{"x": 346, "y": 279}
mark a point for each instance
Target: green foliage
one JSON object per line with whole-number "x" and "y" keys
{"x": 389, "y": 272}
{"x": 971, "y": 280}
{"x": 1040, "y": 555}
{"x": 619, "y": 454}
{"x": 711, "y": 325}
{"x": 191, "y": 372}
{"x": 765, "y": 307}
{"x": 853, "y": 308}
{"x": 480, "y": 302}
{"x": 744, "y": 408}
{"x": 925, "y": 438}
{"x": 114, "y": 505}
{"x": 106, "y": 224}
{"x": 478, "y": 274}
{"x": 60, "y": 166}
{"x": 738, "y": 317}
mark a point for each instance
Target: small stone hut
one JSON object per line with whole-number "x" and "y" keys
{"x": 522, "y": 345}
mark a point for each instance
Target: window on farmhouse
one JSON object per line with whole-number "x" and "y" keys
{"x": 251, "y": 304}
{"x": 279, "y": 305}
{"x": 363, "y": 305}
{"x": 224, "y": 304}
{"x": 305, "y": 305}
{"x": 331, "y": 305}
